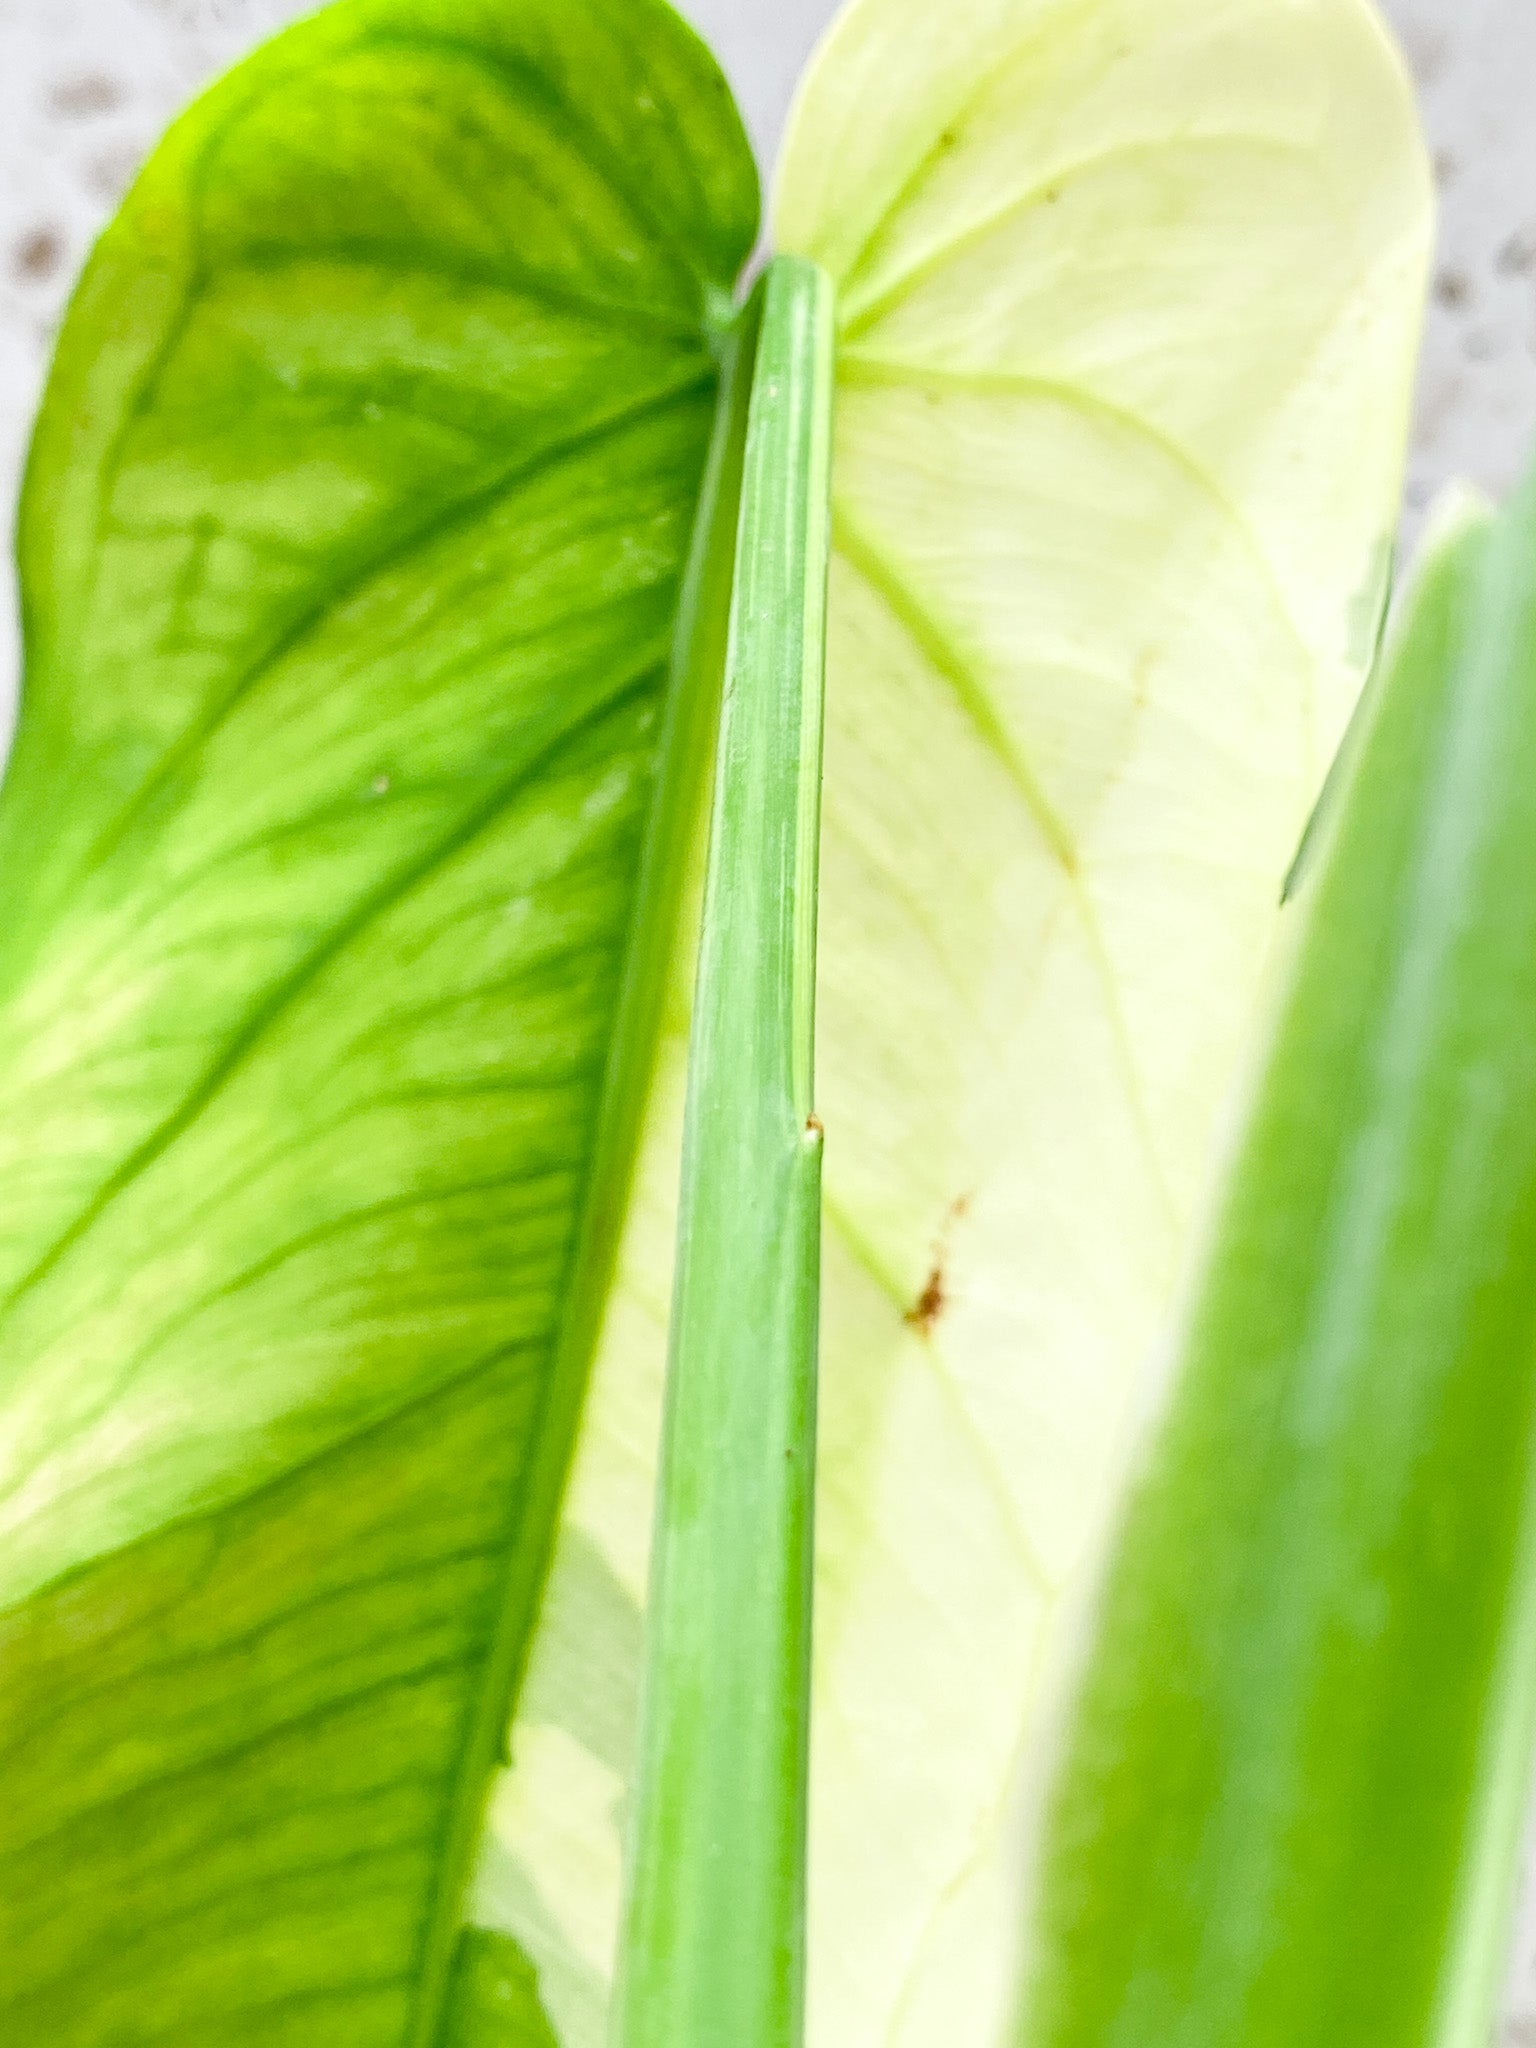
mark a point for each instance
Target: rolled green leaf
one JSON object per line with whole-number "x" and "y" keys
{"x": 1292, "y": 1802}
{"x": 714, "y": 1939}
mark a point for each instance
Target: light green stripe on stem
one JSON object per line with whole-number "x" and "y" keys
{"x": 714, "y": 1935}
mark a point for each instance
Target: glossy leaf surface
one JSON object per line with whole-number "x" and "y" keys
{"x": 341, "y": 847}
{"x": 1129, "y": 299}
{"x": 1297, "y": 1783}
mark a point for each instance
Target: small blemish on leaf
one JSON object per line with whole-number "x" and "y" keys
{"x": 929, "y": 1305}
{"x": 381, "y": 785}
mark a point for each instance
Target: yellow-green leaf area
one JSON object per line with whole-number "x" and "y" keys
{"x": 353, "y": 551}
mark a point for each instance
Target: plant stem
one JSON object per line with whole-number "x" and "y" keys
{"x": 714, "y": 1939}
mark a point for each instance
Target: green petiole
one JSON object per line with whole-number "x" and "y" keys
{"x": 713, "y": 1947}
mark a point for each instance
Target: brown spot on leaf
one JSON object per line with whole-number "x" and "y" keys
{"x": 929, "y": 1305}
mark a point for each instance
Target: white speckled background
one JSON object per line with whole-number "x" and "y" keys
{"x": 85, "y": 86}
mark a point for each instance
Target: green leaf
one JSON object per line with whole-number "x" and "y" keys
{"x": 1129, "y": 295}
{"x": 494, "y": 2001}
{"x": 714, "y": 1937}
{"x": 341, "y": 850}
{"x": 1295, "y": 1793}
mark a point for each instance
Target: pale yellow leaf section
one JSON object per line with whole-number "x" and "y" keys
{"x": 552, "y": 1851}
{"x": 1129, "y": 305}
{"x": 1130, "y": 295}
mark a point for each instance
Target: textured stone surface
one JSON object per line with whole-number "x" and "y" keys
{"x": 85, "y": 85}
{"x": 1474, "y": 61}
